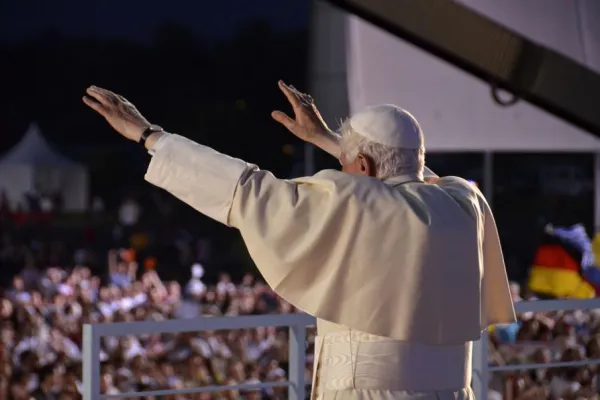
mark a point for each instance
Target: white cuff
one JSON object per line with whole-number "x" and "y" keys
{"x": 159, "y": 144}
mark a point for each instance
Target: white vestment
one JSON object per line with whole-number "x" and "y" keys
{"x": 402, "y": 275}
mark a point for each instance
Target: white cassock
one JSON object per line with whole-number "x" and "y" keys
{"x": 402, "y": 275}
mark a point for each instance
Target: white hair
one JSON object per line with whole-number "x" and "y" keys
{"x": 389, "y": 161}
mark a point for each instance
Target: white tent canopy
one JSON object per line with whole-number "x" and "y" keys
{"x": 33, "y": 166}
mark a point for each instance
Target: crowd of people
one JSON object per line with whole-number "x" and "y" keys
{"x": 54, "y": 282}
{"x": 42, "y": 315}
{"x": 44, "y": 306}
{"x": 541, "y": 338}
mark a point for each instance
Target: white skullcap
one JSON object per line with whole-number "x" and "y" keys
{"x": 389, "y": 125}
{"x": 392, "y": 126}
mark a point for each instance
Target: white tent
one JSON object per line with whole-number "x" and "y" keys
{"x": 32, "y": 165}
{"x": 356, "y": 64}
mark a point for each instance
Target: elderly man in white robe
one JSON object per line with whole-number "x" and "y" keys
{"x": 402, "y": 270}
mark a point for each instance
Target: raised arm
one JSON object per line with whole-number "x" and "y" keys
{"x": 284, "y": 223}
{"x": 198, "y": 175}
{"x": 309, "y": 126}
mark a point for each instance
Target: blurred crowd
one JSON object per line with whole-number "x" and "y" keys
{"x": 540, "y": 338}
{"x": 52, "y": 285}
{"x": 43, "y": 310}
{"x": 56, "y": 279}
{"x": 42, "y": 314}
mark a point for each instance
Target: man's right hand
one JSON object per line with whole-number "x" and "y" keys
{"x": 307, "y": 124}
{"x": 118, "y": 112}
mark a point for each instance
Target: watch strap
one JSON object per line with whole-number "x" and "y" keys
{"x": 147, "y": 132}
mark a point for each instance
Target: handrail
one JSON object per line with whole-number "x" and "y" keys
{"x": 481, "y": 368}
{"x": 167, "y": 392}
{"x": 201, "y": 324}
{"x": 556, "y": 305}
{"x": 297, "y": 324}
{"x": 522, "y": 367}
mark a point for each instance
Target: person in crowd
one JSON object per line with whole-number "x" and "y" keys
{"x": 195, "y": 287}
{"x": 41, "y": 350}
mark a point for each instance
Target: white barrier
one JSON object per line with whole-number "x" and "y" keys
{"x": 297, "y": 324}
{"x": 481, "y": 369}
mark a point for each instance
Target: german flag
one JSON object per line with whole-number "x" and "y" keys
{"x": 557, "y": 270}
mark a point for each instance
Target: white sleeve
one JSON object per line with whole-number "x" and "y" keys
{"x": 159, "y": 144}
{"x": 198, "y": 175}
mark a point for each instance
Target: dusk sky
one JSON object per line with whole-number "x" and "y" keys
{"x": 135, "y": 19}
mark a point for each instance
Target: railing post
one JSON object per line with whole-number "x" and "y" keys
{"x": 480, "y": 376}
{"x": 297, "y": 364}
{"x": 91, "y": 363}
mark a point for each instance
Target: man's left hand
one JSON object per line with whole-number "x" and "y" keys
{"x": 308, "y": 124}
{"x": 118, "y": 112}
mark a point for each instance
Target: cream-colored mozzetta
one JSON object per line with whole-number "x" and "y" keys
{"x": 398, "y": 273}
{"x": 313, "y": 238}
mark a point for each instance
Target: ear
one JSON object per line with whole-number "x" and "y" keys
{"x": 366, "y": 165}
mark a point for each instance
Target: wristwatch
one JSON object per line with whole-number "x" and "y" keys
{"x": 149, "y": 131}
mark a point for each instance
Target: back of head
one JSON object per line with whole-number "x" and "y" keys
{"x": 390, "y": 136}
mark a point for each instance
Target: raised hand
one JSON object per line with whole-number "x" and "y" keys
{"x": 118, "y": 112}
{"x": 307, "y": 123}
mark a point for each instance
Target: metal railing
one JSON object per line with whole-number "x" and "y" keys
{"x": 481, "y": 368}
{"x": 297, "y": 324}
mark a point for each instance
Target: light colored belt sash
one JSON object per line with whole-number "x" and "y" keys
{"x": 356, "y": 360}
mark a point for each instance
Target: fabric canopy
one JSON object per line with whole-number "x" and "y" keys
{"x": 34, "y": 150}
{"x": 357, "y": 64}
{"x": 32, "y": 165}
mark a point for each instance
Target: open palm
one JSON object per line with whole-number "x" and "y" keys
{"x": 307, "y": 123}
{"x": 118, "y": 112}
